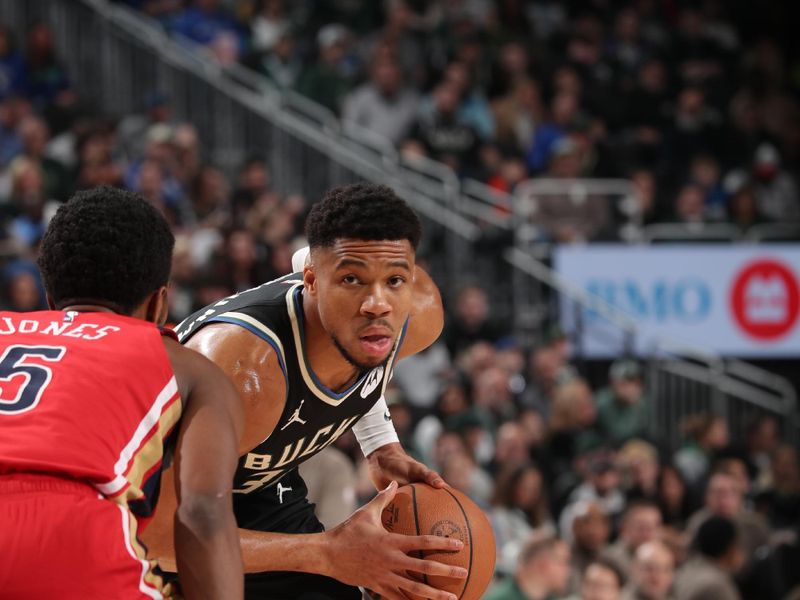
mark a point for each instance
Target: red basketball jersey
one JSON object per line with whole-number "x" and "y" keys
{"x": 87, "y": 396}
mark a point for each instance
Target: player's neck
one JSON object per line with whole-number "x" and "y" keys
{"x": 324, "y": 358}
{"x": 87, "y": 308}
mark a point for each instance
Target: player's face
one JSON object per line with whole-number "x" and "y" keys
{"x": 364, "y": 291}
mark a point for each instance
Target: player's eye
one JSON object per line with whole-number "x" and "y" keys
{"x": 350, "y": 279}
{"x": 396, "y": 281}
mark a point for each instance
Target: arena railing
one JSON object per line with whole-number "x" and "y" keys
{"x": 116, "y": 56}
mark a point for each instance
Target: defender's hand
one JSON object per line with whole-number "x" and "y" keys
{"x": 360, "y": 552}
{"x": 391, "y": 463}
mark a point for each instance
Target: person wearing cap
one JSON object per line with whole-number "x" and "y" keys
{"x": 622, "y": 407}
{"x": 775, "y": 189}
{"x": 327, "y": 80}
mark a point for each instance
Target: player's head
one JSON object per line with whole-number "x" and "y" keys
{"x": 362, "y": 239}
{"x": 108, "y": 247}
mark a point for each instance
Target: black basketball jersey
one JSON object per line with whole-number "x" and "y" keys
{"x": 314, "y": 416}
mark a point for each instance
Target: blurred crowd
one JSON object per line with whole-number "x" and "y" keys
{"x": 694, "y": 101}
{"x": 586, "y": 498}
{"x": 686, "y": 99}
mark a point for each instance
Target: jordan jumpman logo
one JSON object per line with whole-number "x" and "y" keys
{"x": 282, "y": 489}
{"x": 295, "y": 418}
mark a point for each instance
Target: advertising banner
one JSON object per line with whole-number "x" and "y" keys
{"x": 737, "y": 300}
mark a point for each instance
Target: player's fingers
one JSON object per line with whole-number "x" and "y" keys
{"x": 428, "y": 542}
{"x": 432, "y": 567}
{"x": 433, "y": 479}
{"x": 424, "y": 591}
{"x": 385, "y": 496}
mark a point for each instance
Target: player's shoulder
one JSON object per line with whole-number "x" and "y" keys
{"x": 263, "y": 303}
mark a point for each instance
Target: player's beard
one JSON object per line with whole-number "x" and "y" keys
{"x": 361, "y": 366}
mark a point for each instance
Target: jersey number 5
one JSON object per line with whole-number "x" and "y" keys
{"x": 22, "y": 384}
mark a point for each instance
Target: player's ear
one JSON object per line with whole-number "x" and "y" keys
{"x": 158, "y": 306}
{"x": 309, "y": 277}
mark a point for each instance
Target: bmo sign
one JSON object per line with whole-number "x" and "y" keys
{"x": 737, "y": 300}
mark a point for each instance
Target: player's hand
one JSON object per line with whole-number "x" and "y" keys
{"x": 391, "y": 463}
{"x": 362, "y": 553}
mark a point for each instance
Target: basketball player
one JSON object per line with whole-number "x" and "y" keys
{"x": 311, "y": 354}
{"x": 91, "y": 393}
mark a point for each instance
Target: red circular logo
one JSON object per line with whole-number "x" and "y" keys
{"x": 765, "y": 299}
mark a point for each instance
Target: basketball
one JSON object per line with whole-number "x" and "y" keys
{"x": 419, "y": 509}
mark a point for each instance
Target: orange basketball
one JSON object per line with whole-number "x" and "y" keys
{"x": 419, "y": 509}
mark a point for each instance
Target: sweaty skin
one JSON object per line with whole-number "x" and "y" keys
{"x": 369, "y": 289}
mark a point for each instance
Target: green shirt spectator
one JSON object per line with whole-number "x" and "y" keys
{"x": 623, "y": 407}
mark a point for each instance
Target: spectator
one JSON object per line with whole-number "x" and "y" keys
{"x": 573, "y": 423}
{"x": 563, "y": 114}
{"x": 775, "y": 189}
{"x": 420, "y": 376}
{"x": 647, "y": 113}
{"x": 705, "y": 172}
{"x": 46, "y": 81}
{"x": 763, "y": 437}
{"x": 268, "y": 25}
{"x": 473, "y": 109}
{"x": 690, "y": 206}
{"x": 385, "y": 105}
{"x": 517, "y": 114}
{"x": 34, "y": 134}
{"x": 724, "y": 498}
{"x": 400, "y": 36}
{"x": 445, "y": 136}
{"x": 601, "y": 485}
{"x": 638, "y": 464}
{"x": 331, "y": 480}
{"x": 590, "y": 530}
{"x": 328, "y": 80}
{"x": 25, "y": 292}
{"x": 570, "y": 217}
{"x": 709, "y": 574}
{"x": 29, "y": 202}
{"x": 133, "y": 129}
{"x": 673, "y": 497}
{"x": 706, "y": 435}
{"x": 280, "y": 64}
{"x": 451, "y": 402}
{"x": 652, "y": 574}
{"x": 695, "y": 127}
{"x": 779, "y": 495}
{"x": 602, "y": 581}
{"x": 542, "y": 571}
{"x": 623, "y": 407}
{"x": 205, "y": 21}
{"x": 641, "y": 523}
{"x": 519, "y": 507}
{"x": 12, "y": 66}
{"x": 743, "y": 208}
{"x": 470, "y": 321}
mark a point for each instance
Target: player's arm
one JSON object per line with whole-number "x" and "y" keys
{"x": 205, "y": 535}
{"x": 386, "y": 458}
{"x": 426, "y": 320}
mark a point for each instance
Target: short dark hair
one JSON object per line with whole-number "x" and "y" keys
{"x": 361, "y": 211}
{"x": 106, "y": 245}
{"x": 608, "y": 564}
{"x": 715, "y": 537}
